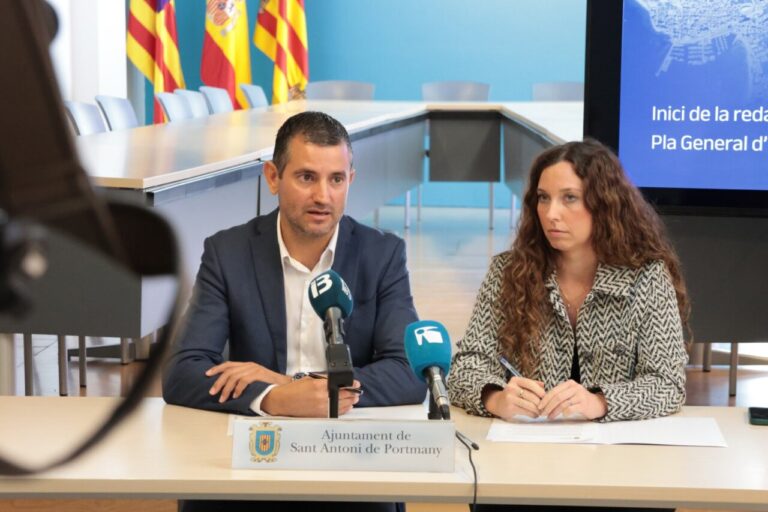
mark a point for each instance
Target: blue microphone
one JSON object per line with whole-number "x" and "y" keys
{"x": 328, "y": 290}
{"x": 428, "y": 348}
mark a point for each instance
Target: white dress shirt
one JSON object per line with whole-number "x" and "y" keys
{"x": 304, "y": 329}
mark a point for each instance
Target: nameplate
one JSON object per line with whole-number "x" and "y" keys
{"x": 345, "y": 445}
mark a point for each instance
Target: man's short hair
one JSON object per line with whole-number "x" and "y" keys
{"x": 316, "y": 128}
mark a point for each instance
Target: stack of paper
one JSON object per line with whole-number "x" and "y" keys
{"x": 677, "y": 431}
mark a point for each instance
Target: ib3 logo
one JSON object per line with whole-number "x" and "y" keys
{"x": 323, "y": 283}
{"x": 428, "y": 334}
{"x": 320, "y": 285}
{"x": 264, "y": 441}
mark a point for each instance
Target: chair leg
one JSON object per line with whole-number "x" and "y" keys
{"x": 512, "y": 211}
{"x": 29, "y": 366}
{"x": 63, "y": 366}
{"x": 125, "y": 351}
{"x": 706, "y": 358}
{"x": 734, "y": 367}
{"x": 490, "y": 206}
{"x": 407, "y": 210}
{"x": 81, "y": 361}
{"x": 418, "y": 203}
{"x": 7, "y": 364}
{"x": 142, "y": 346}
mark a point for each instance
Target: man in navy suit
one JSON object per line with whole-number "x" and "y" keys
{"x": 251, "y": 290}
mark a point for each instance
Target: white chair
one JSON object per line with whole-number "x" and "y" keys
{"x": 85, "y": 118}
{"x": 455, "y": 91}
{"x": 175, "y": 107}
{"x": 558, "y": 91}
{"x": 255, "y": 95}
{"x": 196, "y": 102}
{"x": 217, "y": 98}
{"x": 118, "y": 112}
{"x": 340, "y": 90}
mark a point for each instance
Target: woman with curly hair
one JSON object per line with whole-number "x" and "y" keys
{"x": 588, "y": 305}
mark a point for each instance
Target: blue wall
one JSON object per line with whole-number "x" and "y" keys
{"x": 399, "y": 44}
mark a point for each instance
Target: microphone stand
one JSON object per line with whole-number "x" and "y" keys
{"x": 338, "y": 357}
{"x": 435, "y": 412}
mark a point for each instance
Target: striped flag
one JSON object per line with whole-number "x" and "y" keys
{"x": 281, "y": 33}
{"x": 226, "y": 53}
{"x": 153, "y": 47}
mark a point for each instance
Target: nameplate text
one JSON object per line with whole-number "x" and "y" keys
{"x": 348, "y": 445}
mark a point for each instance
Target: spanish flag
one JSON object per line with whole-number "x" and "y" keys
{"x": 281, "y": 33}
{"x": 153, "y": 47}
{"x": 226, "y": 55}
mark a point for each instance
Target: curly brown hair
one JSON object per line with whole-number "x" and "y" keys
{"x": 626, "y": 231}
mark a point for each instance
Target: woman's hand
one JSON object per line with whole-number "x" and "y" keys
{"x": 520, "y": 396}
{"x": 571, "y": 398}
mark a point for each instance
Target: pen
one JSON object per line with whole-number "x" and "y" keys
{"x": 511, "y": 369}
{"x": 318, "y": 375}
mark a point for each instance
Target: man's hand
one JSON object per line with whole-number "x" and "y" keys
{"x": 235, "y": 376}
{"x": 306, "y": 398}
{"x": 519, "y": 396}
{"x": 571, "y": 398}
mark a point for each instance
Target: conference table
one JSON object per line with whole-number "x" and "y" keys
{"x": 169, "y": 452}
{"x": 203, "y": 175}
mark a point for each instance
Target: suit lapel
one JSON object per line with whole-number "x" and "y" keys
{"x": 269, "y": 280}
{"x": 346, "y": 259}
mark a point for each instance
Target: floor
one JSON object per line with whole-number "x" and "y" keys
{"x": 448, "y": 254}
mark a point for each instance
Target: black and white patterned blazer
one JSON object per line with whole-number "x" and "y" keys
{"x": 629, "y": 338}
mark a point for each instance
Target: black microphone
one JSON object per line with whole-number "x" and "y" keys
{"x": 428, "y": 348}
{"x": 330, "y": 298}
{"x": 43, "y": 183}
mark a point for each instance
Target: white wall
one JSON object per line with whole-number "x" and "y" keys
{"x": 89, "y": 51}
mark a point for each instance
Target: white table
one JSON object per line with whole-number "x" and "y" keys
{"x": 172, "y": 452}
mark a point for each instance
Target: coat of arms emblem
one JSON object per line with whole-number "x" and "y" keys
{"x": 224, "y": 13}
{"x": 264, "y": 441}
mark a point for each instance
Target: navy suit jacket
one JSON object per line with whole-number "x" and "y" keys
{"x": 239, "y": 296}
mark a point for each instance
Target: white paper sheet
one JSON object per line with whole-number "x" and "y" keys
{"x": 672, "y": 430}
{"x": 521, "y": 418}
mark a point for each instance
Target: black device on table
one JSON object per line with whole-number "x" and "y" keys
{"x": 45, "y": 192}
{"x": 758, "y": 415}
